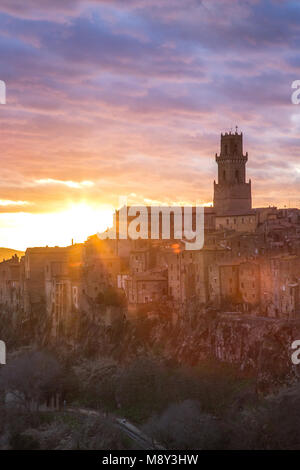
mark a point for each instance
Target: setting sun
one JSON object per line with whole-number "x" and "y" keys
{"x": 76, "y": 221}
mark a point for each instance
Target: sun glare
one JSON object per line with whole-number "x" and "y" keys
{"x": 76, "y": 221}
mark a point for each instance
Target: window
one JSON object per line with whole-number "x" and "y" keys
{"x": 75, "y": 296}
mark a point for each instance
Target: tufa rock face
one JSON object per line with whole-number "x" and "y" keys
{"x": 260, "y": 347}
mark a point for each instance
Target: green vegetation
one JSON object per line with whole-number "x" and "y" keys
{"x": 111, "y": 297}
{"x": 211, "y": 406}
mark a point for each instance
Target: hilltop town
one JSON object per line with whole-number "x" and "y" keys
{"x": 148, "y": 329}
{"x": 250, "y": 263}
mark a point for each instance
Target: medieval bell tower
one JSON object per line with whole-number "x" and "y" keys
{"x": 231, "y": 193}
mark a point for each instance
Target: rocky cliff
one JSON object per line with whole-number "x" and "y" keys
{"x": 258, "y": 346}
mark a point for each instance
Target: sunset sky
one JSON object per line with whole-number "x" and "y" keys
{"x": 128, "y": 98}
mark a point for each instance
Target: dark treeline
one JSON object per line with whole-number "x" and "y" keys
{"x": 206, "y": 407}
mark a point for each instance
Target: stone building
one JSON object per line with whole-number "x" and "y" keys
{"x": 223, "y": 283}
{"x": 280, "y": 280}
{"x": 250, "y": 284}
{"x": 101, "y": 267}
{"x": 36, "y": 263}
{"x": 240, "y": 222}
{"x": 62, "y": 293}
{"x": 11, "y": 286}
{"x": 235, "y": 282}
{"x": 232, "y": 193}
{"x": 146, "y": 287}
{"x": 143, "y": 256}
{"x": 188, "y": 273}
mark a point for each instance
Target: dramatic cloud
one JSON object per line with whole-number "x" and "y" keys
{"x": 108, "y": 98}
{"x": 69, "y": 184}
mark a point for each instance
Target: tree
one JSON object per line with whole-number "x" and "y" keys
{"x": 141, "y": 387}
{"x": 31, "y": 377}
{"x": 98, "y": 434}
{"x": 183, "y": 426}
